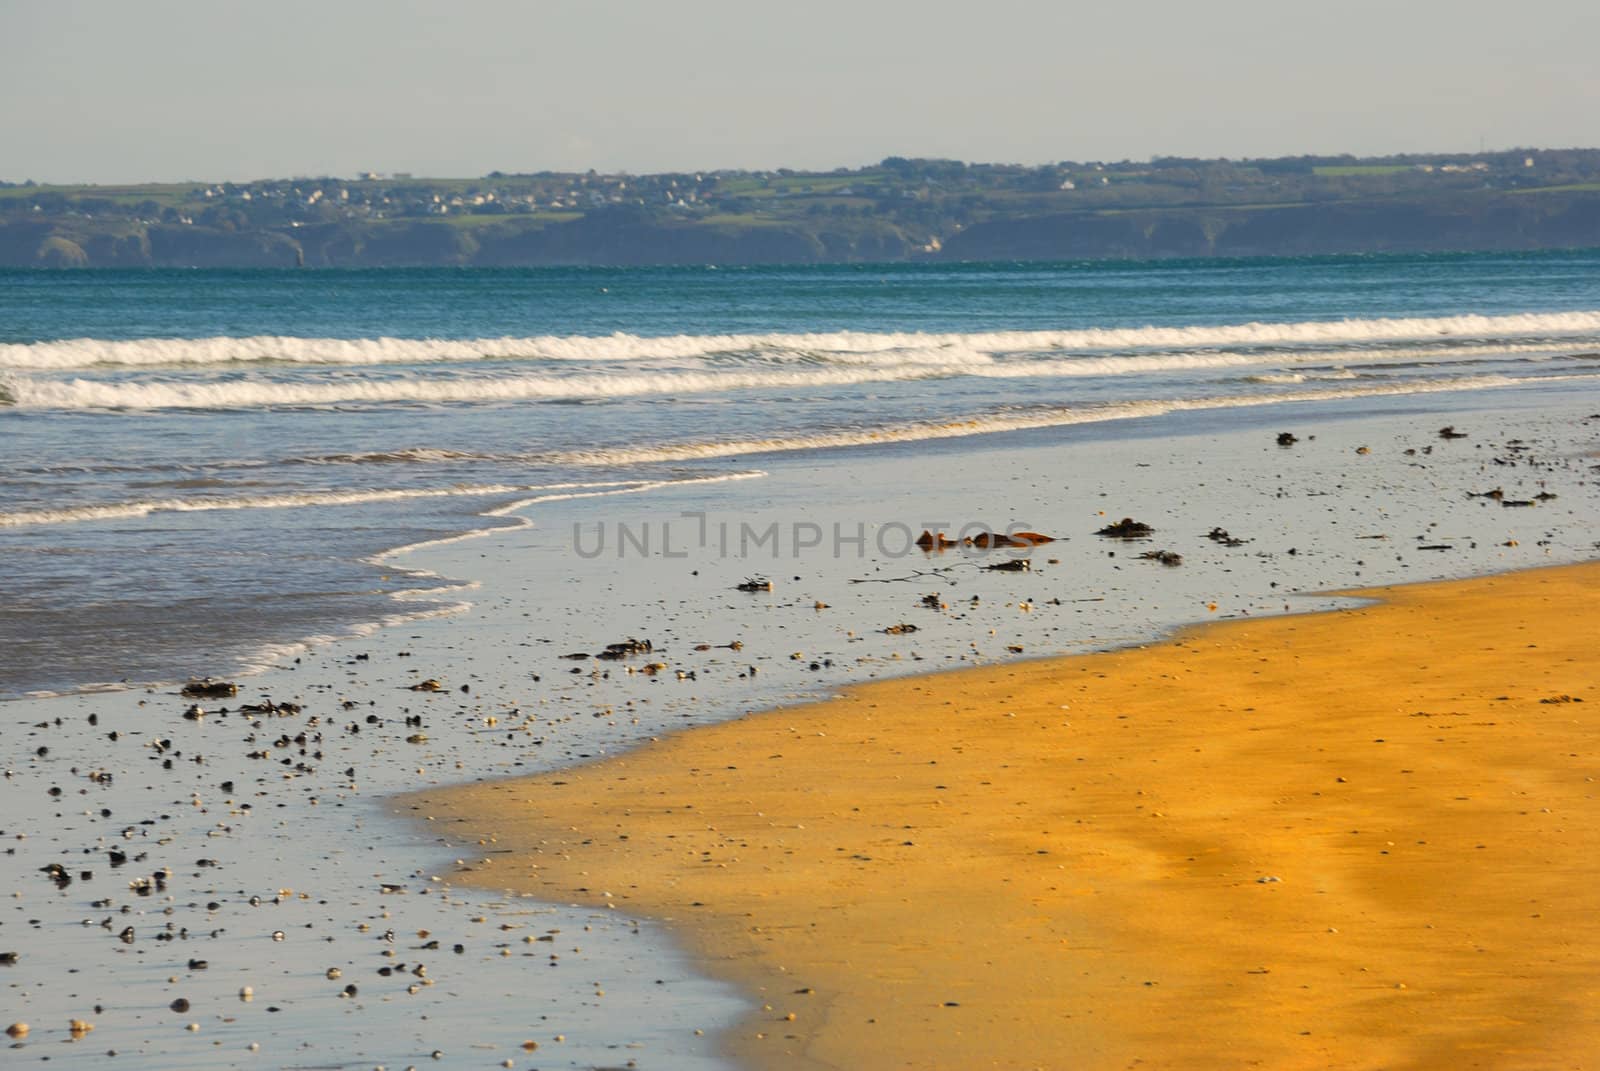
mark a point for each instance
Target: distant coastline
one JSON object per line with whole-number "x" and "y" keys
{"x": 897, "y": 210}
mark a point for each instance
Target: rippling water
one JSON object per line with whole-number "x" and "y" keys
{"x": 204, "y": 465}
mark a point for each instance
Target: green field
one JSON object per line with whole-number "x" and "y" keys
{"x": 1575, "y": 187}
{"x": 1345, "y": 170}
{"x": 164, "y": 194}
{"x": 472, "y": 221}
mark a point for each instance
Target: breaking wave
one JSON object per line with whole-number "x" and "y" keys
{"x": 81, "y": 353}
{"x": 27, "y": 392}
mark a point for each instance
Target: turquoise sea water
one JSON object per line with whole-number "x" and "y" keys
{"x": 198, "y": 468}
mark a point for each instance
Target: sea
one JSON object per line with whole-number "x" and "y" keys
{"x": 203, "y": 471}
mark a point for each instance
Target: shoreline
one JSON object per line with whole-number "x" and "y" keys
{"x": 877, "y": 893}
{"x": 320, "y": 846}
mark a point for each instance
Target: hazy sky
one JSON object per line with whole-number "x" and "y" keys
{"x": 172, "y": 89}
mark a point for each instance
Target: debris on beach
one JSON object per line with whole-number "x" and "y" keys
{"x": 1449, "y": 432}
{"x": 754, "y": 583}
{"x": 207, "y": 688}
{"x": 1221, "y": 535}
{"x": 430, "y": 685}
{"x": 625, "y": 649}
{"x": 985, "y": 540}
{"x": 934, "y": 602}
{"x": 1287, "y": 438}
{"x": 1015, "y": 565}
{"x": 282, "y": 710}
{"x": 1497, "y": 494}
{"x": 1127, "y": 528}
{"x": 1165, "y": 557}
{"x": 899, "y": 630}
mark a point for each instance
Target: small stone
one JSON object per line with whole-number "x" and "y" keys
{"x": 17, "y": 1030}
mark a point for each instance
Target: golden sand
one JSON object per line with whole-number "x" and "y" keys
{"x": 1363, "y": 839}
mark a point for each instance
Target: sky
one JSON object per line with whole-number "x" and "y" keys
{"x": 171, "y": 90}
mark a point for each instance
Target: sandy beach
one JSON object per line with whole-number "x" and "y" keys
{"x": 234, "y": 883}
{"x": 1364, "y": 838}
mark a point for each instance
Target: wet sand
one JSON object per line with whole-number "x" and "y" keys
{"x": 210, "y": 836}
{"x": 1366, "y": 838}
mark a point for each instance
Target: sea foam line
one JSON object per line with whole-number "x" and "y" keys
{"x": 291, "y": 500}
{"x": 90, "y": 352}
{"x": 995, "y": 423}
{"x": 80, "y": 393}
{"x": 267, "y": 656}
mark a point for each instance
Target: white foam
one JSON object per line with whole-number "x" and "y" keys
{"x": 988, "y": 424}
{"x": 91, "y": 352}
{"x": 80, "y": 393}
{"x": 291, "y": 500}
{"x": 512, "y": 508}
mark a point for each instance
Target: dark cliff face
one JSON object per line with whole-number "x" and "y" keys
{"x": 1506, "y": 222}
{"x": 607, "y": 239}
{"x": 203, "y": 247}
{"x": 627, "y": 237}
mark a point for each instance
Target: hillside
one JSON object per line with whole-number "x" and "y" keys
{"x": 899, "y": 209}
